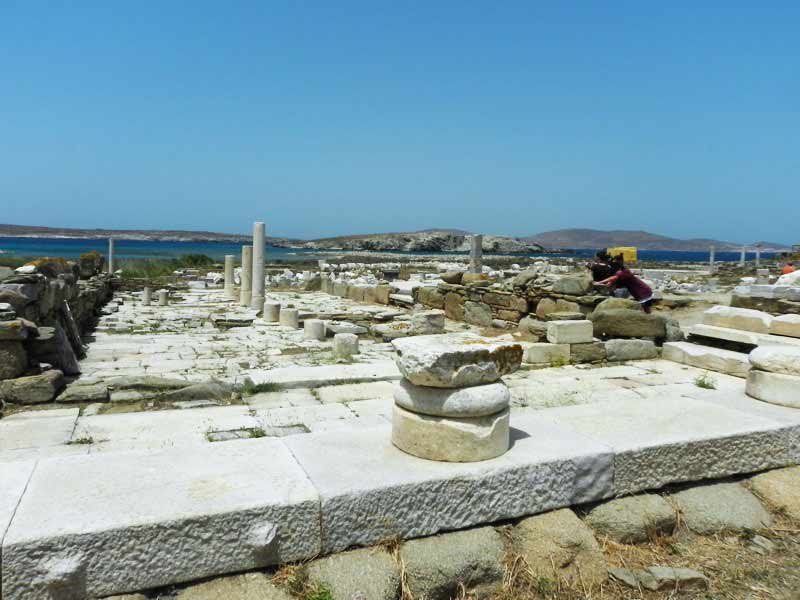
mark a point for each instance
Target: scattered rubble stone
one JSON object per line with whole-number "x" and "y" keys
{"x": 633, "y": 519}
{"x": 249, "y": 586}
{"x": 781, "y": 489}
{"x": 560, "y": 540}
{"x": 34, "y": 389}
{"x": 369, "y": 573}
{"x": 721, "y": 507}
{"x": 435, "y": 566}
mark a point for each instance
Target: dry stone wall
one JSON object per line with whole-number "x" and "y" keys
{"x": 44, "y": 309}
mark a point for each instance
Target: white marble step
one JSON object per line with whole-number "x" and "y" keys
{"x": 707, "y": 357}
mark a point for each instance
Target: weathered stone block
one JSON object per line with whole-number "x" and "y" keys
{"x": 475, "y": 401}
{"x": 786, "y": 325}
{"x": 545, "y": 306}
{"x": 159, "y": 518}
{"x": 509, "y": 315}
{"x": 709, "y": 509}
{"x": 633, "y": 519}
{"x": 427, "y": 322}
{"x": 13, "y": 359}
{"x": 776, "y": 359}
{"x": 779, "y": 488}
{"x": 619, "y": 350}
{"x": 454, "y": 306}
{"x": 369, "y": 573}
{"x": 569, "y": 332}
{"x": 588, "y": 353}
{"x": 35, "y": 389}
{"x": 545, "y": 353}
{"x": 558, "y": 546}
{"x": 430, "y": 297}
{"x": 620, "y": 322}
{"x": 478, "y": 314}
{"x": 455, "y": 360}
{"x": 438, "y": 566}
{"x": 573, "y": 285}
{"x": 738, "y": 318}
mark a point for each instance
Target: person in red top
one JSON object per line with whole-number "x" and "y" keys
{"x": 789, "y": 268}
{"x": 637, "y": 288}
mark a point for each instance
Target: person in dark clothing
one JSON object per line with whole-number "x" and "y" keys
{"x": 637, "y": 288}
{"x": 600, "y": 268}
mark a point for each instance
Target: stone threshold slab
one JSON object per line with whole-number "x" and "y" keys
{"x": 720, "y": 360}
{"x": 98, "y": 525}
{"x": 372, "y": 491}
{"x": 671, "y": 439}
{"x": 742, "y": 337}
{"x": 314, "y": 377}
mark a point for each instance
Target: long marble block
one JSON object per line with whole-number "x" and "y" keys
{"x": 106, "y": 524}
{"x": 371, "y": 491}
{"x": 742, "y": 337}
{"x": 312, "y": 377}
{"x": 673, "y": 439}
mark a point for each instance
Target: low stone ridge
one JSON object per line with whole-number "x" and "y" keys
{"x": 745, "y": 319}
{"x": 559, "y": 546}
{"x": 627, "y": 323}
{"x": 369, "y": 573}
{"x": 633, "y": 519}
{"x": 475, "y": 401}
{"x": 780, "y": 489}
{"x": 436, "y": 565}
{"x": 721, "y": 507}
{"x": 455, "y": 360}
{"x": 466, "y": 439}
{"x": 248, "y": 586}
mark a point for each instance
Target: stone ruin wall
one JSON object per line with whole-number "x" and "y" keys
{"x": 47, "y": 306}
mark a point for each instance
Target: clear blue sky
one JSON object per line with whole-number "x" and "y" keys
{"x": 325, "y": 118}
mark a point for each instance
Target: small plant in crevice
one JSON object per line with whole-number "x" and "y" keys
{"x": 706, "y": 382}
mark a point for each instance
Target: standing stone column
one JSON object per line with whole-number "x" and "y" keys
{"x": 271, "y": 312}
{"x": 163, "y": 297}
{"x": 743, "y": 257}
{"x": 229, "y": 287}
{"x": 111, "y": 256}
{"x": 758, "y": 256}
{"x": 246, "y": 290}
{"x": 712, "y": 255}
{"x": 257, "y": 297}
{"x": 476, "y": 254}
{"x": 147, "y": 296}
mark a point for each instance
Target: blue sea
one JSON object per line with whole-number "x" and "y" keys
{"x": 139, "y": 249}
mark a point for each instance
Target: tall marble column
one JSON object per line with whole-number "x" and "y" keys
{"x": 111, "y": 255}
{"x": 758, "y": 256}
{"x": 476, "y": 254}
{"x": 229, "y": 286}
{"x": 743, "y": 257}
{"x": 712, "y": 256}
{"x": 257, "y": 297}
{"x": 247, "y": 276}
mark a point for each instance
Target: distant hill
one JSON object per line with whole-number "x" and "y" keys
{"x": 429, "y": 240}
{"x": 593, "y": 238}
